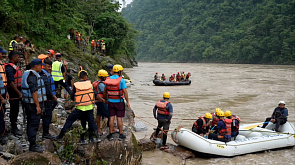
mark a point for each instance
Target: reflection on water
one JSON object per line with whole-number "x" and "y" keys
{"x": 249, "y": 91}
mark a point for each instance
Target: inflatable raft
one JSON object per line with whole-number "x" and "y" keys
{"x": 252, "y": 138}
{"x": 168, "y": 83}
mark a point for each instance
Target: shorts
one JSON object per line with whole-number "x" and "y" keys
{"x": 102, "y": 109}
{"x": 117, "y": 109}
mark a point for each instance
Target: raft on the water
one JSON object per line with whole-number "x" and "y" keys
{"x": 250, "y": 139}
{"x": 170, "y": 83}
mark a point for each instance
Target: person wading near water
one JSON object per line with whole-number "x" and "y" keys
{"x": 59, "y": 75}
{"x": 223, "y": 129}
{"x": 235, "y": 124}
{"x": 14, "y": 78}
{"x": 278, "y": 117}
{"x": 115, "y": 90}
{"x": 163, "y": 112}
{"x": 84, "y": 97}
{"x": 202, "y": 125}
{"x": 34, "y": 95}
{"x": 3, "y": 84}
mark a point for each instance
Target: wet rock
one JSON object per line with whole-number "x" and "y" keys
{"x": 48, "y": 144}
{"x": 15, "y": 147}
{"x": 139, "y": 127}
{"x": 36, "y": 158}
{"x": 179, "y": 151}
{"x": 146, "y": 145}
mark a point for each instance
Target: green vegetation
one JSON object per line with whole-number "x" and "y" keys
{"x": 231, "y": 31}
{"x": 48, "y": 22}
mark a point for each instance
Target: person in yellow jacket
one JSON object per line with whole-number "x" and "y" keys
{"x": 84, "y": 97}
{"x": 58, "y": 73}
{"x": 13, "y": 43}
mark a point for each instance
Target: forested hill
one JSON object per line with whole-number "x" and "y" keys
{"x": 231, "y": 31}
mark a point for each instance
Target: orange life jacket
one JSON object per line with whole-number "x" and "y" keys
{"x": 162, "y": 107}
{"x": 113, "y": 88}
{"x": 3, "y": 73}
{"x": 204, "y": 123}
{"x": 215, "y": 119}
{"x": 17, "y": 76}
{"x": 84, "y": 93}
{"x": 226, "y": 132}
{"x": 95, "y": 87}
{"x": 93, "y": 43}
{"x": 234, "y": 117}
{"x": 43, "y": 57}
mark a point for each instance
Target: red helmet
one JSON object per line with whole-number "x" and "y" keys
{"x": 51, "y": 52}
{"x": 101, "y": 40}
{"x": 189, "y": 72}
{"x": 98, "y": 40}
{"x": 87, "y": 37}
{"x": 162, "y": 73}
{"x": 178, "y": 72}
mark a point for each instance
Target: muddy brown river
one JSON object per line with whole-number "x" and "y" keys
{"x": 249, "y": 91}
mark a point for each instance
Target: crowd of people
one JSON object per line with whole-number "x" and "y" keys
{"x": 98, "y": 46}
{"x": 35, "y": 88}
{"x": 180, "y": 76}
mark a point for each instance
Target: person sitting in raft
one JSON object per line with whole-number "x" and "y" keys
{"x": 235, "y": 124}
{"x": 202, "y": 125}
{"x": 187, "y": 76}
{"x": 156, "y": 77}
{"x": 215, "y": 119}
{"x": 279, "y": 116}
{"x": 163, "y": 77}
{"x": 171, "y": 78}
{"x": 182, "y": 76}
{"x": 223, "y": 129}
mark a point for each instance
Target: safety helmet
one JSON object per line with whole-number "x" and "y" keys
{"x": 162, "y": 73}
{"x": 101, "y": 40}
{"x": 92, "y": 40}
{"x": 116, "y": 68}
{"x": 282, "y": 102}
{"x": 220, "y": 113}
{"x": 227, "y": 113}
{"x": 82, "y": 71}
{"x": 217, "y": 109}
{"x": 166, "y": 95}
{"x": 121, "y": 68}
{"x": 102, "y": 73}
{"x": 208, "y": 115}
{"x": 98, "y": 40}
{"x": 178, "y": 72}
{"x": 51, "y": 51}
{"x": 189, "y": 72}
{"x": 156, "y": 72}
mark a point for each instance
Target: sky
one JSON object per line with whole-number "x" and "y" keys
{"x": 127, "y": 1}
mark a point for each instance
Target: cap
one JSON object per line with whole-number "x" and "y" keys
{"x": 2, "y": 50}
{"x": 58, "y": 55}
{"x": 37, "y": 62}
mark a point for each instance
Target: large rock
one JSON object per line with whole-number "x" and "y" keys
{"x": 36, "y": 158}
{"x": 146, "y": 145}
{"x": 139, "y": 127}
{"x": 15, "y": 147}
{"x": 48, "y": 144}
{"x": 179, "y": 151}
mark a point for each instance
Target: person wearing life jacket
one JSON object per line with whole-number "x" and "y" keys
{"x": 187, "y": 76}
{"x": 84, "y": 97}
{"x": 223, "y": 129}
{"x": 59, "y": 75}
{"x": 278, "y": 117}
{"x": 215, "y": 118}
{"x": 156, "y": 77}
{"x": 182, "y": 76}
{"x": 13, "y": 43}
{"x": 163, "y": 112}
{"x": 14, "y": 78}
{"x": 178, "y": 77}
{"x": 93, "y": 46}
{"x": 98, "y": 45}
{"x": 3, "y": 83}
{"x": 34, "y": 96}
{"x": 103, "y": 46}
{"x": 235, "y": 124}
{"x": 51, "y": 54}
{"x": 102, "y": 108}
{"x": 202, "y": 125}
{"x": 171, "y": 78}
{"x": 115, "y": 91}
{"x": 163, "y": 77}
{"x": 43, "y": 57}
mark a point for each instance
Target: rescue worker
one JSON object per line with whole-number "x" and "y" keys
{"x": 202, "y": 125}
{"x": 163, "y": 112}
{"x": 182, "y": 76}
{"x": 23, "y": 52}
{"x": 98, "y": 45}
{"x": 278, "y": 117}
{"x": 171, "y": 78}
{"x": 93, "y": 47}
{"x": 51, "y": 54}
{"x": 84, "y": 98}
{"x": 14, "y": 78}
{"x": 34, "y": 95}
{"x": 187, "y": 76}
{"x": 156, "y": 77}
{"x": 110, "y": 72}
{"x": 103, "y": 47}
{"x": 102, "y": 108}
{"x": 59, "y": 74}
{"x": 43, "y": 57}
{"x": 223, "y": 129}
{"x": 235, "y": 123}
{"x": 13, "y": 43}
{"x": 163, "y": 77}
{"x": 50, "y": 95}
{"x": 115, "y": 90}
{"x": 215, "y": 119}
{"x": 3, "y": 83}
{"x": 69, "y": 81}
{"x": 178, "y": 77}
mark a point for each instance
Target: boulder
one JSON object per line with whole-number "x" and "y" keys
{"x": 179, "y": 151}
{"x": 36, "y": 158}
{"x": 139, "y": 127}
{"x": 48, "y": 144}
{"x": 146, "y": 145}
{"x": 14, "y": 147}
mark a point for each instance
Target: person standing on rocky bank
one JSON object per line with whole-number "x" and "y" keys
{"x": 3, "y": 83}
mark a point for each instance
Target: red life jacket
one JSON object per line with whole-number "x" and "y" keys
{"x": 204, "y": 123}
{"x": 93, "y": 43}
{"x": 113, "y": 88}
{"x": 234, "y": 117}
{"x": 17, "y": 76}
{"x": 187, "y": 76}
{"x": 162, "y": 107}
{"x": 215, "y": 119}
{"x": 95, "y": 86}
{"x": 226, "y": 132}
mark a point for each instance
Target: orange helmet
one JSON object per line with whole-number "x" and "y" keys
{"x": 51, "y": 52}
{"x": 101, "y": 40}
{"x": 98, "y": 40}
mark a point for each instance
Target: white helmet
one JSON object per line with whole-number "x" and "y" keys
{"x": 282, "y": 102}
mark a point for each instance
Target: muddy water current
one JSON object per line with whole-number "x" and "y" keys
{"x": 249, "y": 91}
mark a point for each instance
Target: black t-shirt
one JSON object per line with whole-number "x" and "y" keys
{"x": 68, "y": 79}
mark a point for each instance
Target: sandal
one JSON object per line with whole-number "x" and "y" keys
{"x": 164, "y": 148}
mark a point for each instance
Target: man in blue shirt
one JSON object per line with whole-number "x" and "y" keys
{"x": 279, "y": 116}
{"x": 163, "y": 115}
{"x": 115, "y": 90}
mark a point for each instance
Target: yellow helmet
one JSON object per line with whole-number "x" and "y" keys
{"x": 116, "y": 68}
{"x": 82, "y": 71}
{"x": 121, "y": 68}
{"x": 220, "y": 113}
{"x": 166, "y": 95}
{"x": 102, "y": 73}
{"x": 227, "y": 113}
{"x": 208, "y": 115}
{"x": 217, "y": 109}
